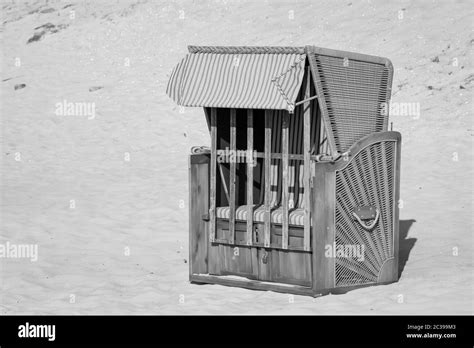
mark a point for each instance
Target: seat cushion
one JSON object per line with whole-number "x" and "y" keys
{"x": 296, "y": 216}
{"x": 240, "y": 212}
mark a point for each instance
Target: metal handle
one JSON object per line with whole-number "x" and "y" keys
{"x": 372, "y": 225}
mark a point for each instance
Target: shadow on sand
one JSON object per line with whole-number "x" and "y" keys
{"x": 406, "y": 244}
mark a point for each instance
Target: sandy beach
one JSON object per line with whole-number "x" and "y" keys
{"x": 104, "y": 195}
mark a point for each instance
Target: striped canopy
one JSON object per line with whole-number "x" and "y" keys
{"x": 238, "y": 77}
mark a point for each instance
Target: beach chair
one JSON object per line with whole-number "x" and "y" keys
{"x": 299, "y": 190}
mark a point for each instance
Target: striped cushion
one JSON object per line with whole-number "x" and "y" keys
{"x": 296, "y": 216}
{"x": 301, "y": 186}
{"x": 241, "y": 213}
{"x": 224, "y": 212}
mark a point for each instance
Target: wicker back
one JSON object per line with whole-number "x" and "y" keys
{"x": 352, "y": 90}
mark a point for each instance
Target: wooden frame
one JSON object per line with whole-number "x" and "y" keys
{"x": 323, "y": 205}
{"x": 212, "y": 207}
{"x": 249, "y": 177}
{"x": 267, "y": 166}
{"x": 285, "y": 182}
{"x": 306, "y": 161}
{"x": 233, "y": 148}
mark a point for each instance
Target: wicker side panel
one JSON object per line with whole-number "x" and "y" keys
{"x": 368, "y": 179}
{"x": 353, "y": 92}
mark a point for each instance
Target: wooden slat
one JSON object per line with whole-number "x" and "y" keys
{"x": 198, "y": 206}
{"x": 396, "y": 194}
{"x": 324, "y": 205}
{"x": 213, "y": 261}
{"x": 250, "y": 176}
{"x": 285, "y": 182}
{"x": 233, "y": 148}
{"x": 271, "y": 246}
{"x": 307, "y": 165}
{"x": 268, "y": 162}
{"x": 277, "y": 155}
{"x": 253, "y": 284}
{"x": 212, "y": 200}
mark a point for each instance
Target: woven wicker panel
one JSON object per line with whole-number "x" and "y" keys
{"x": 367, "y": 180}
{"x": 353, "y": 90}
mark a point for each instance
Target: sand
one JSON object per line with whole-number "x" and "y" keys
{"x": 120, "y": 246}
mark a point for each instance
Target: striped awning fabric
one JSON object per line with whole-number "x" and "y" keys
{"x": 238, "y": 77}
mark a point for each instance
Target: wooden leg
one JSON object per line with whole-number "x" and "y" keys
{"x": 233, "y": 152}
{"x": 323, "y": 227}
{"x": 198, "y": 206}
{"x": 307, "y": 167}
{"x": 212, "y": 208}
{"x": 250, "y": 162}
{"x": 267, "y": 160}
{"x": 285, "y": 183}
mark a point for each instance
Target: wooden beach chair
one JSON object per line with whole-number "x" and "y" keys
{"x": 314, "y": 175}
